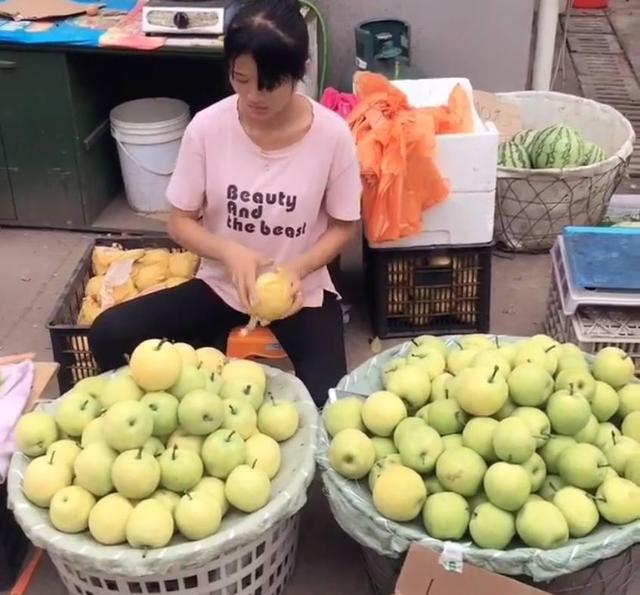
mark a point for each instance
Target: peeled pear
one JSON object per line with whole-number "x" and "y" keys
{"x": 94, "y": 287}
{"x": 273, "y": 297}
{"x": 183, "y": 264}
{"x": 89, "y": 311}
{"x": 155, "y": 256}
{"x": 145, "y": 276}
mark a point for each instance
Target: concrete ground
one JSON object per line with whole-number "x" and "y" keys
{"x": 36, "y": 265}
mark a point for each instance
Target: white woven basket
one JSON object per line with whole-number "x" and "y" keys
{"x": 533, "y": 206}
{"x": 261, "y": 567}
{"x": 250, "y": 555}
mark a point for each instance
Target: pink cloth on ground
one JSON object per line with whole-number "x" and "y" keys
{"x": 277, "y": 203}
{"x": 14, "y": 394}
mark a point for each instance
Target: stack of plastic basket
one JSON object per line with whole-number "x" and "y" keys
{"x": 250, "y": 555}
{"x": 591, "y": 318}
{"x": 439, "y": 281}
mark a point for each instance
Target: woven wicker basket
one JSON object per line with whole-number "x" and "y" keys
{"x": 533, "y": 206}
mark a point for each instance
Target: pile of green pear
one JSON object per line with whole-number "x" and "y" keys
{"x": 496, "y": 442}
{"x": 166, "y": 446}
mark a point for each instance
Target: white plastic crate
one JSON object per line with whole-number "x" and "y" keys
{"x": 573, "y": 296}
{"x": 262, "y": 567}
{"x": 468, "y": 162}
{"x": 593, "y": 327}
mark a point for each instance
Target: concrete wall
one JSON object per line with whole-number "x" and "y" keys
{"x": 487, "y": 41}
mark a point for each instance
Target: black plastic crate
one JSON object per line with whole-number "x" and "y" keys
{"x": 69, "y": 340}
{"x": 13, "y": 544}
{"x": 437, "y": 290}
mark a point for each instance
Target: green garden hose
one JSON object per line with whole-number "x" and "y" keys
{"x": 324, "y": 37}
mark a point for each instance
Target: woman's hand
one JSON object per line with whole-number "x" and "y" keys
{"x": 244, "y": 266}
{"x": 297, "y": 298}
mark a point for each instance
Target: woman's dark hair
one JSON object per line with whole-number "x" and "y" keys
{"x": 275, "y": 34}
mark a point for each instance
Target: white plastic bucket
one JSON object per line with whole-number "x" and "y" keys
{"x": 148, "y": 134}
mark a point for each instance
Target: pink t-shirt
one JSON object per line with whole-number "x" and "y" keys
{"x": 275, "y": 202}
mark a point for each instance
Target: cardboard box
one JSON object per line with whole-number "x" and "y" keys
{"x": 43, "y": 385}
{"x": 423, "y": 574}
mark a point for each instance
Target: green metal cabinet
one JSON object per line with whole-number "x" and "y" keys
{"x": 7, "y": 208}
{"x": 59, "y": 165}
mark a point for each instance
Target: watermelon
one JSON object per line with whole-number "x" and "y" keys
{"x": 592, "y": 153}
{"x": 525, "y": 137}
{"x": 556, "y": 147}
{"x": 513, "y": 155}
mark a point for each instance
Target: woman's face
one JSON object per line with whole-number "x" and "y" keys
{"x": 259, "y": 104}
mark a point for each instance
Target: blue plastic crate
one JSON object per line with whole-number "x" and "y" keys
{"x": 604, "y": 257}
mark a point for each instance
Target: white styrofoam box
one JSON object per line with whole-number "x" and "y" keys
{"x": 468, "y": 161}
{"x": 462, "y": 218}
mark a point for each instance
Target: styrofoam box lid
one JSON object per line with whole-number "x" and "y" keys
{"x": 149, "y": 111}
{"x": 435, "y": 92}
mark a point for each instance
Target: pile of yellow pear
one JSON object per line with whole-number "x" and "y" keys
{"x": 497, "y": 442}
{"x": 166, "y": 445}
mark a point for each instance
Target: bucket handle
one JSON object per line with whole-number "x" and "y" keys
{"x": 124, "y": 149}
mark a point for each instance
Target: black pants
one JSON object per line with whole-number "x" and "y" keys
{"x": 193, "y": 313}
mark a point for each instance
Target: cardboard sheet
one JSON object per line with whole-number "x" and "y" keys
{"x": 505, "y": 116}
{"x": 424, "y": 574}
{"x": 33, "y": 10}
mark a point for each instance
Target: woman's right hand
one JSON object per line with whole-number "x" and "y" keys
{"x": 244, "y": 266}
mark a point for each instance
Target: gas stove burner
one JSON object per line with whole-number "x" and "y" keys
{"x": 185, "y": 17}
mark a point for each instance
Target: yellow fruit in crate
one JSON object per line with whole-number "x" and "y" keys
{"x": 184, "y": 441}
{"x": 92, "y": 432}
{"x": 102, "y": 257}
{"x": 420, "y": 307}
{"x": 129, "y": 255}
{"x": 398, "y": 300}
{"x": 89, "y": 311}
{"x": 265, "y": 452}
{"x": 399, "y": 272}
{"x": 399, "y": 493}
{"x": 94, "y": 287}
{"x": 245, "y": 370}
{"x": 272, "y": 296}
{"x": 211, "y": 360}
{"x": 248, "y": 488}
{"x": 155, "y": 365}
{"x": 155, "y": 256}
{"x": 93, "y": 468}
{"x": 66, "y": 451}
{"x": 167, "y": 498}
{"x": 187, "y": 353}
{"x": 214, "y": 487}
{"x": 197, "y": 515}
{"x": 183, "y": 264}
{"x": 70, "y": 508}
{"x": 44, "y": 477}
{"x": 125, "y": 291}
{"x": 175, "y": 281}
{"x": 35, "y": 432}
{"x": 146, "y": 276}
{"x": 150, "y": 525}
{"x": 108, "y": 519}
{"x": 278, "y": 419}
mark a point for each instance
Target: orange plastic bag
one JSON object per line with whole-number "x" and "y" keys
{"x": 396, "y": 147}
